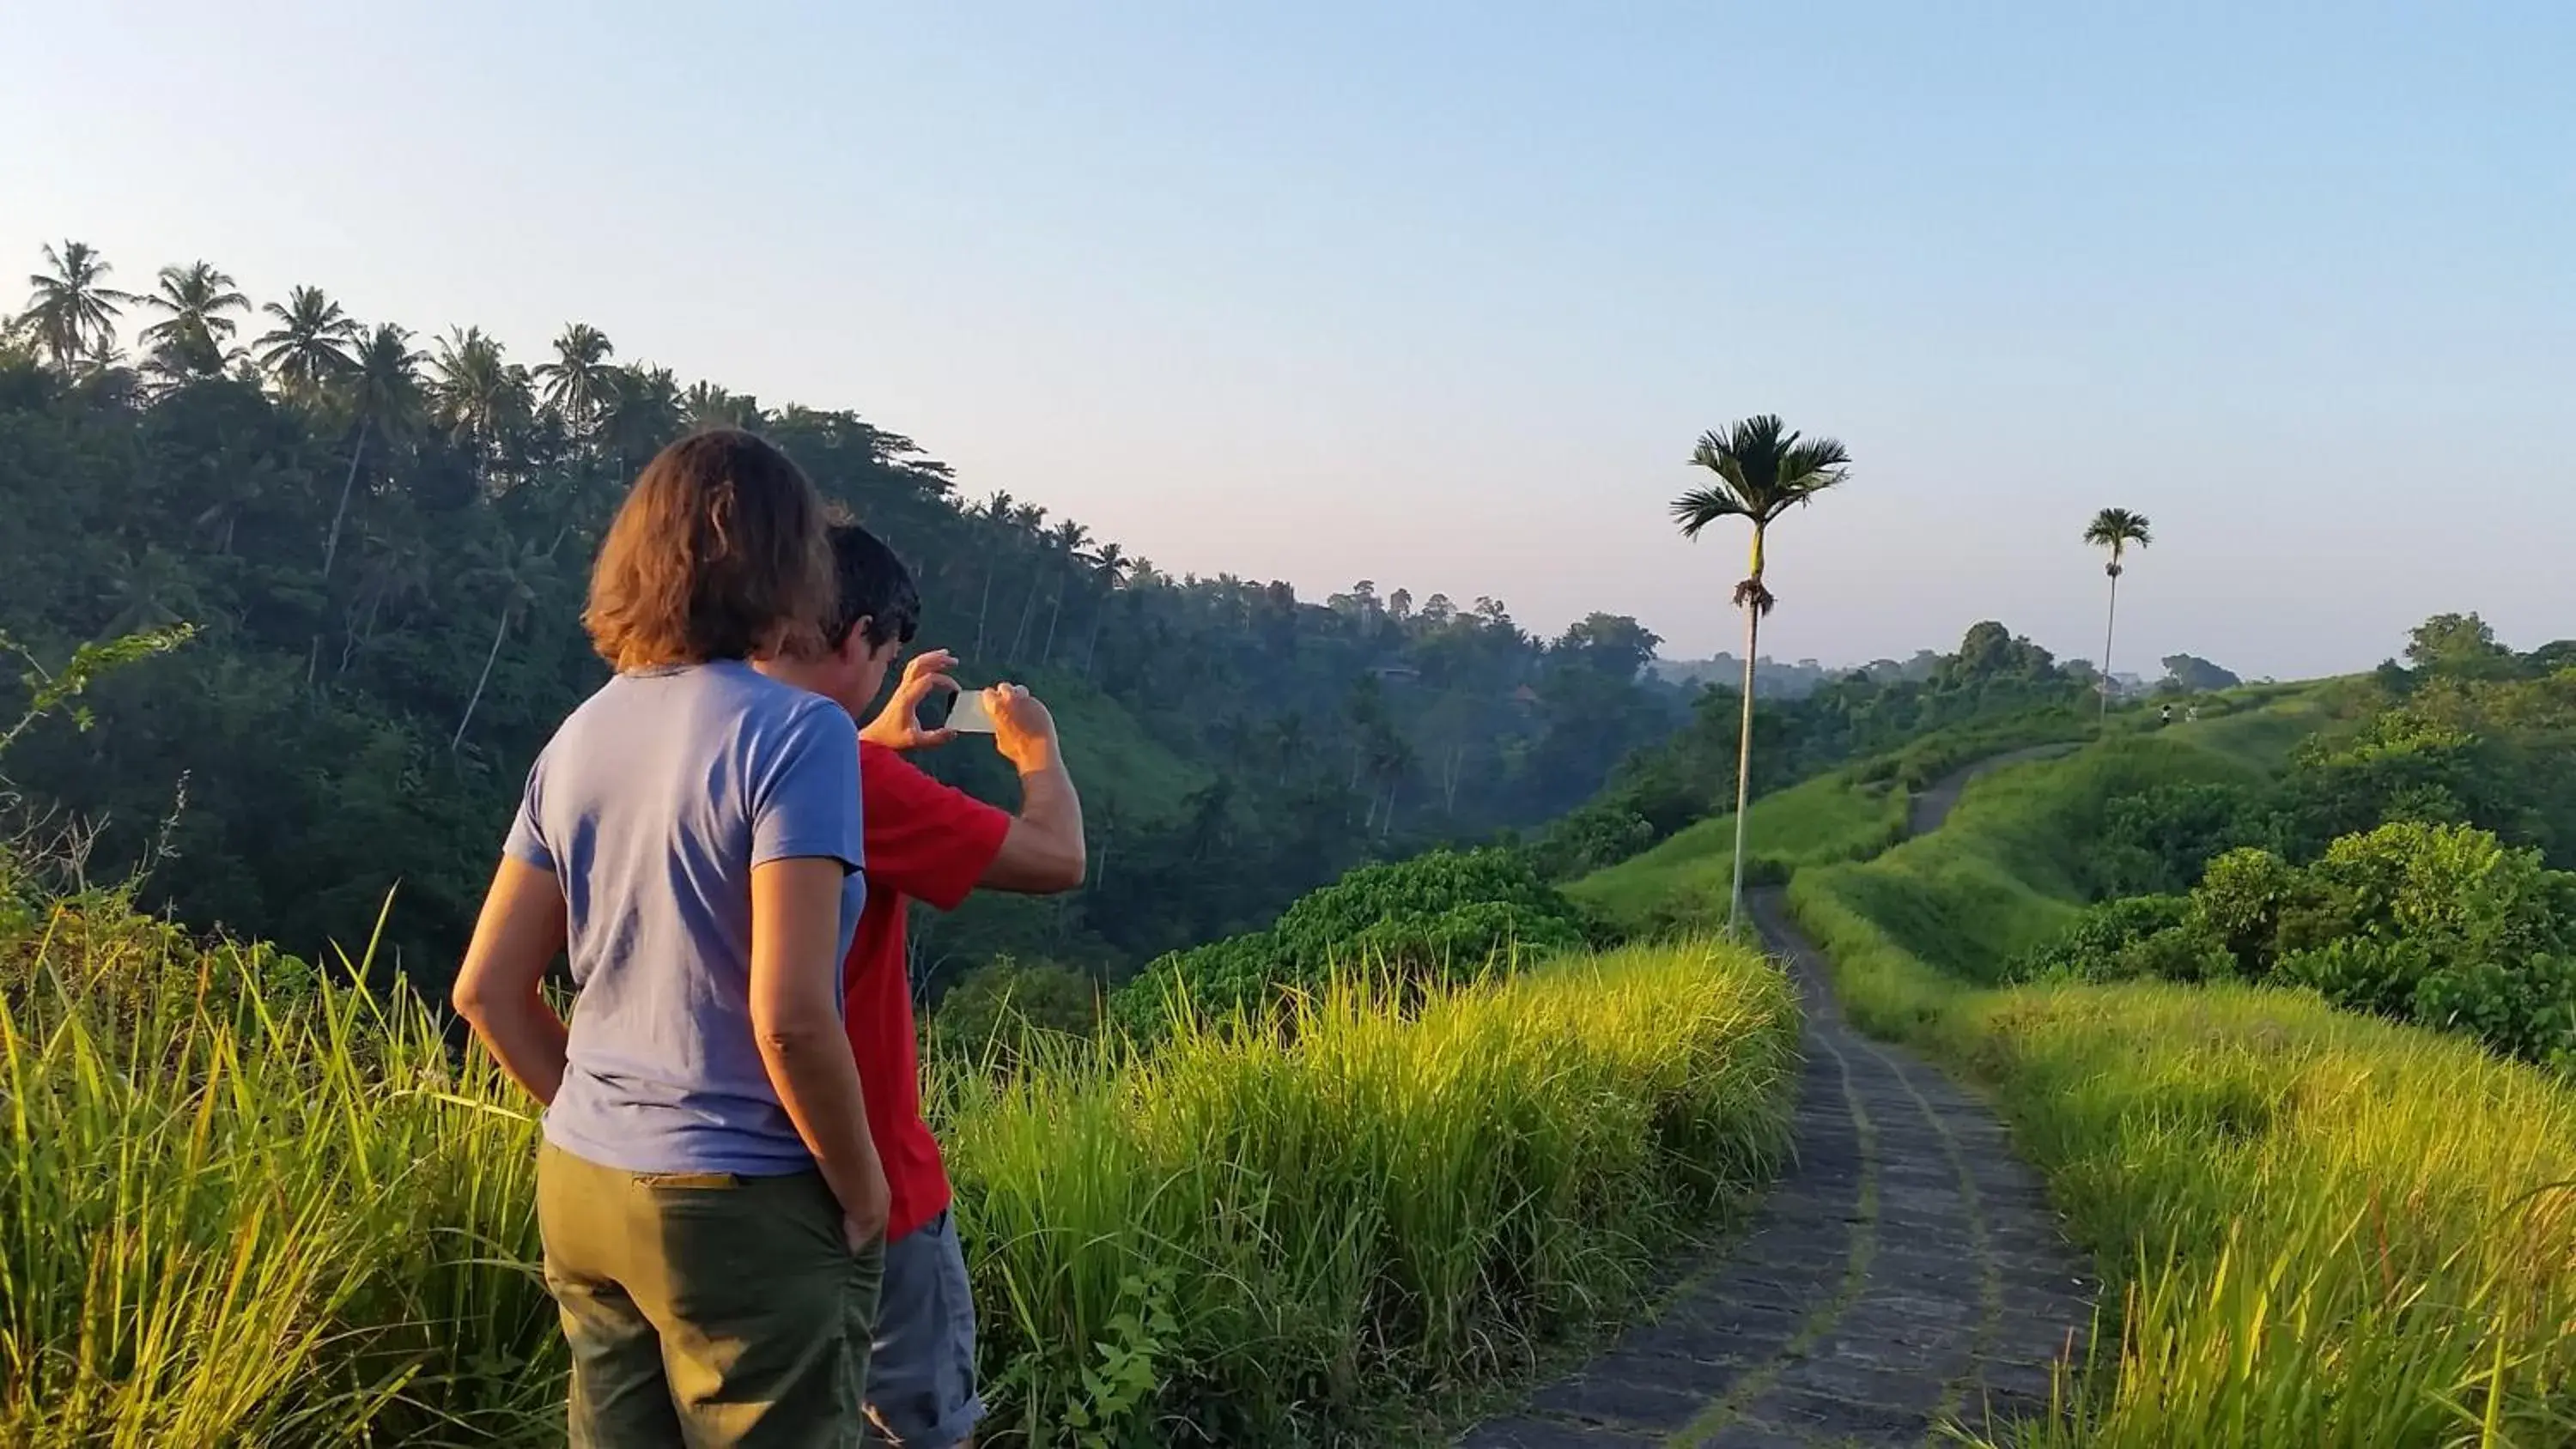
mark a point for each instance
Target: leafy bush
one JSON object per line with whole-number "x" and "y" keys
{"x": 2441, "y": 925}
{"x": 1599, "y": 834}
{"x": 2115, "y": 941}
{"x": 1435, "y": 919}
{"x": 1002, "y": 1009}
{"x": 2160, "y": 840}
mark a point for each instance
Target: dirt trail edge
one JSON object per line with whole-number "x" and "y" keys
{"x": 1906, "y": 1269}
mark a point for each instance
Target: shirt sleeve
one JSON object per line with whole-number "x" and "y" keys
{"x": 805, "y": 789}
{"x": 526, "y": 843}
{"x": 924, "y": 839}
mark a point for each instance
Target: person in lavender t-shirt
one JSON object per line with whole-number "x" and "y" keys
{"x": 712, "y": 1205}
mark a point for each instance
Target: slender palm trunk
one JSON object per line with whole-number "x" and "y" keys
{"x": 1055, "y": 616}
{"x": 486, "y": 678}
{"x": 2109, "y": 623}
{"x": 983, "y": 610}
{"x": 331, "y": 546}
{"x": 1744, "y": 735}
{"x": 1744, "y": 764}
{"x": 1019, "y": 636}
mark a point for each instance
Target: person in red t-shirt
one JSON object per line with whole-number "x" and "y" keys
{"x": 928, "y": 842}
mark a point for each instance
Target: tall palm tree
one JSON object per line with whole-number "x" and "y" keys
{"x": 581, "y": 380}
{"x": 1763, "y": 470}
{"x": 71, "y": 311}
{"x": 643, "y": 411}
{"x": 997, "y": 510}
{"x": 309, "y": 346}
{"x": 189, "y": 340}
{"x": 1070, "y": 540}
{"x": 516, "y": 570}
{"x": 384, "y": 391}
{"x": 480, "y": 396}
{"x": 707, "y": 405}
{"x": 1108, "y": 570}
{"x": 2118, "y": 530}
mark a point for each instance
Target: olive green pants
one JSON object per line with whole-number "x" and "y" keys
{"x": 707, "y": 1311}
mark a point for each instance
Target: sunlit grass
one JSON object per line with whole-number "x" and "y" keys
{"x": 2320, "y": 1229}
{"x": 243, "y": 1207}
{"x": 1682, "y": 883}
{"x": 232, "y": 1217}
{"x": 2330, "y": 1230}
{"x": 1365, "y": 1207}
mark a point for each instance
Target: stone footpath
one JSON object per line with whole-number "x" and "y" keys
{"x": 1904, "y": 1272}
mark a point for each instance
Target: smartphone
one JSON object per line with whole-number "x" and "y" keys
{"x": 968, "y": 715}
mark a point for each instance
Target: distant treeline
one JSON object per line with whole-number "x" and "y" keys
{"x": 383, "y": 541}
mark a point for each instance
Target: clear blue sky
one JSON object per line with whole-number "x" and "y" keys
{"x": 1439, "y": 295}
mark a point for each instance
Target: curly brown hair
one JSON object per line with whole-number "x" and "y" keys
{"x": 720, "y": 551}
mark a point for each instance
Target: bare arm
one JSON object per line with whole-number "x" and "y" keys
{"x": 498, "y": 989}
{"x": 796, "y": 1017}
{"x": 1043, "y": 853}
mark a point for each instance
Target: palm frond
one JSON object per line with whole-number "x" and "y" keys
{"x": 1701, "y": 507}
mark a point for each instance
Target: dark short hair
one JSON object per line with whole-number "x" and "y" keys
{"x": 720, "y": 551}
{"x": 873, "y": 585}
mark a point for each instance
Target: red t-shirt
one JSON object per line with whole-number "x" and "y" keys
{"x": 926, "y": 842}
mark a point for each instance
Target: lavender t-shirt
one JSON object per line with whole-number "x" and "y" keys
{"x": 651, "y": 806}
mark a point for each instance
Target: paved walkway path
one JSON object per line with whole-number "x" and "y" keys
{"x": 1905, "y": 1270}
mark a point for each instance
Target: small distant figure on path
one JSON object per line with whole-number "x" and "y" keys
{"x": 2165, "y": 716}
{"x": 2191, "y": 714}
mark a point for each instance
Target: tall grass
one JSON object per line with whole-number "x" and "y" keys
{"x": 2334, "y": 1231}
{"x": 2323, "y": 1229}
{"x": 1312, "y": 1226}
{"x": 238, "y": 1210}
{"x": 243, "y": 1206}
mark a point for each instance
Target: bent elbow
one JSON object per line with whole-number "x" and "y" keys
{"x": 789, "y": 1034}
{"x": 1072, "y": 867}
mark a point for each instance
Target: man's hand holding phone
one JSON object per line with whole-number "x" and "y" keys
{"x": 898, "y": 726}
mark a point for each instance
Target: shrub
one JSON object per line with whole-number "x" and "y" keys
{"x": 1436, "y": 919}
{"x": 2092, "y": 948}
{"x": 1600, "y": 834}
{"x": 995, "y": 1011}
{"x": 2161, "y": 839}
{"x": 2441, "y": 925}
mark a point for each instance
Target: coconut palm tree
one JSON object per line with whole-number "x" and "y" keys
{"x": 309, "y": 347}
{"x": 581, "y": 380}
{"x": 996, "y": 510}
{"x": 189, "y": 340}
{"x": 707, "y": 405}
{"x": 1108, "y": 570}
{"x": 515, "y": 571}
{"x": 384, "y": 391}
{"x": 643, "y": 411}
{"x": 1763, "y": 470}
{"x": 480, "y": 396}
{"x": 2118, "y": 530}
{"x": 1070, "y": 540}
{"x": 72, "y": 311}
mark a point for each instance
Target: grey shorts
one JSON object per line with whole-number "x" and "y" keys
{"x": 921, "y": 1377}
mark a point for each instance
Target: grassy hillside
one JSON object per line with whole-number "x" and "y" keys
{"x": 1123, "y": 770}
{"x": 242, "y": 1206}
{"x": 2325, "y": 1229}
{"x": 1682, "y": 883}
{"x": 2002, "y": 876}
